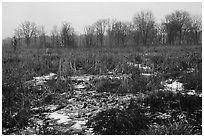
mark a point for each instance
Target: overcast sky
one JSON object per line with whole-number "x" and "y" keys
{"x": 82, "y": 14}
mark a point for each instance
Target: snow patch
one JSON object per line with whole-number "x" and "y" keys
{"x": 147, "y": 74}
{"x": 82, "y": 78}
{"x": 140, "y": 66}
{"x": 174, "y": 86}
{"x": 81, "y": 86}
{"x": 46, "y": 77}
{"x": 52, "y": 107}
{"x": 190, "y": 70}
{"x": 60, "y": 118}
{"x": 79, "y": 125}
{"x": 193, "y": 92}
{"x": 40, "y": 81}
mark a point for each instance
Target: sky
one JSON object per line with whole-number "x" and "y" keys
{"x": 82, "y": 14}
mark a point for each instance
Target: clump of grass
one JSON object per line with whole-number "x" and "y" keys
{"x": 109, "y": 61}
{"x": 175, "y": 104}
{"x": 157, "y": 60}
{"x": 192, "y": 81}
{"x": 135, "y": 58}
{"x": 132, "y": 83}
{"x": 119, "y": 122}
{"x": 190, "y": 103}
{"x": 173, "y": 128}
{"x": 15, "y": 101}
{"x": 161, "y": 101}
{"x": 120, "y": 86}
{"x": 138, "y": 59}
{"x": 107, "y": 85}
{"x": 139, "y": 82}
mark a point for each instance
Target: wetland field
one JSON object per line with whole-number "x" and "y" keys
{"x": 102, "y": 91}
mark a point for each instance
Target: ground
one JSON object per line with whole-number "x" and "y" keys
{"x": 140, "y": 90}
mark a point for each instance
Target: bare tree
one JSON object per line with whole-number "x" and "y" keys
{"x": 118, "y": 32}
{"x": 196, "y": 28}
{"x": 18, "y": 34}
{"x": 135, "y": 34}
{"x": 144, "y": 21}
{"x": 125, "y": 32}
{"x": 39, "y": 36}
{"x": 55, "y": 36}
{"x": 161, "y": 34}
{"x": 89, "y": 35}
{"x": 175, "y": 23}
{"x": 67, "y": 35}
{"x": 42, "y": 36}
{"x": 28, "y": 30}
{"x": 14, "y": 43}
{"x": 110, "y": 32}
{"x": 100, "y": 26}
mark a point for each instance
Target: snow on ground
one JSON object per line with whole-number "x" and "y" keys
{"x": 75, "y": 115}
{"x": 190, "y": 70}
{"x": 46, "y": 77}
{"x": 60, "y": 118}
{"x": 41, "y": 80}
{"x": 174, "y": 86}
{"x": 140, "y": 66}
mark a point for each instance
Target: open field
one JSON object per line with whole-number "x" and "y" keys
{"x": 143, "y": 90}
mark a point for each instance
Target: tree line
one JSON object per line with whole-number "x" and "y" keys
{"x": 177, "y": 28}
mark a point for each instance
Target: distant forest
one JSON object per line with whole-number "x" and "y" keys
{"x": 177, "y": 28}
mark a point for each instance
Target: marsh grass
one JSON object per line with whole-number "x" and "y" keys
{"x": 173, "y": 128}
{"x": 120, "y": 122}
{"x": 166, "y": 62}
